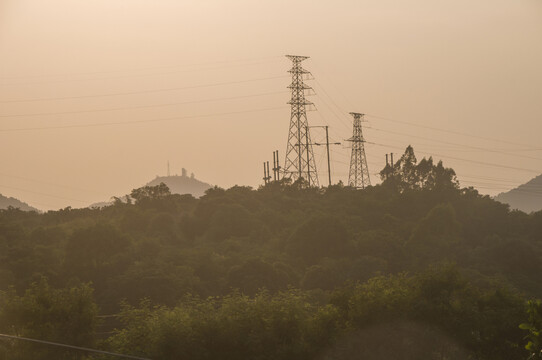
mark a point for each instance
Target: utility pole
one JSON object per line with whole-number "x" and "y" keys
{"x": 308, "y": 156}
{"x": 265, "y": 173}
{"x": 300, "y": 162}
{"x": 168, "y": 173}
{"x": 328, "y": 161}
{"x": 327, "y": 148}
{"x": 388, "y": 170}
{"x": 358, "y": 176}
{"x": 276, "y": 166}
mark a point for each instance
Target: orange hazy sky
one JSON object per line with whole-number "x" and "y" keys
{"x": 96, "y": 96}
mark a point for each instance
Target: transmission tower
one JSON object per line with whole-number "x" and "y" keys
{"x": 359, "y": 172}
{"x": 300, "y": 161}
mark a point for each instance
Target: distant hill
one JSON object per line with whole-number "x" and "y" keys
{"x": 6, "y": 202}
{"x": 526, "y": 197}
{"x": 182, "y": 184}
{"x": 177, "y": 184}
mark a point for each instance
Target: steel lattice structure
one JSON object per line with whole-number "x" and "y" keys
{"x": 358, "y": 176}
{"x": 300, "y": 161}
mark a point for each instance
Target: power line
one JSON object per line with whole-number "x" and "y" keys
{"x": 72, "y": 347}
{"x": 460, "y": 159}
{"x": 436, "y": 129}
{"x": 40, "y": 193}
{"x": 446, "y": 130}
{"x": 457, "y": 133}
{"x": 451, "y": 143}
{"x": 49, "y": 183}
{"x": 513, "y": 182}
{"x": 142, "y": 91}
{"x": 32, "y": 203}
{"x": 336, "y": 88}
{"x": 142, "y": 106}
{"x": 509, "y": 186}
{"x": 129, "y": 76}
{"x": 338, "y": 116}
{"x": 142, "y": 69}
{"x": 138, "y": 121}
{"x": 454, "y": 144}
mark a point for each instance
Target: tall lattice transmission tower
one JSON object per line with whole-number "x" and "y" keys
{"x": 300, "y": 161}
{"x": 358, "y": 176}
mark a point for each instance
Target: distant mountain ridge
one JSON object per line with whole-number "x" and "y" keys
{"x": 6, "y": 202}
{"x": 526, "y": 197}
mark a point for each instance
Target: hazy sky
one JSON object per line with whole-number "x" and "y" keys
{"x": 202, "y": 83}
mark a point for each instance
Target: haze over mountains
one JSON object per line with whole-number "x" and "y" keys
{"x": 177, "y": 184}
{"x": 233, "y": 274}
{"x": 6, "y": 202}
{"x": 225, "y": 91}
{"x": 526, "y": 197}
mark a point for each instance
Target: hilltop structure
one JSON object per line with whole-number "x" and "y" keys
{"x": 177, "y": 184}
{"x": 182, "y": 184}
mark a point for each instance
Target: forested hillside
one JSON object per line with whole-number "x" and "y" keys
{"x": 415, "y": 268}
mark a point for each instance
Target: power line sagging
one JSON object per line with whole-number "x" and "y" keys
{"x": 299, "y": 161}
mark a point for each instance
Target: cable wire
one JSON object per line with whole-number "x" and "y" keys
{"x": 140, "y": 69}
{"x": 141, "y": 91}
{"x": 143, "y": 106}
{"x": 72, "y": 347}
{"x": 451, "y": 143}
{"x": 40, "y": 193}
{"x": 138, "y": 121}
{"x": 446, "y": 130}
{"x": 461, "y": 159}
{"x": 129, "y": 76}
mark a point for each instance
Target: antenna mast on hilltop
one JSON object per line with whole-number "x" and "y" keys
{"x": 300, "y": 161}
{"x": 358, "y": 176}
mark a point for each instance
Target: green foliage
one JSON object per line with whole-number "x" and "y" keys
{"x": 255, "y": 274}
{"x": 534, "y": 327}
{"x": 320, "y": 237}
{"x": 67, "y": 316}
{"x": 281, "y": 326}
{"x": 371, "y": 263}
{"x": 435, "y": 236}
{"x": 480, "y": 320}
{"x": 149, "y": 193}
{"x": 408, "y": 174}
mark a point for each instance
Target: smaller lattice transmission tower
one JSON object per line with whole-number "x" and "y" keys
{"x": 299, "y": 161}
{"x": 358, "y": 176}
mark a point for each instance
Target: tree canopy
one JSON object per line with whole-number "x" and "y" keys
{"x": 283, "y": 271}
